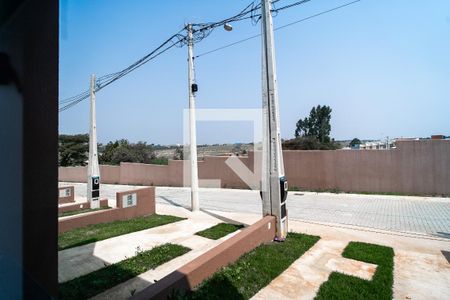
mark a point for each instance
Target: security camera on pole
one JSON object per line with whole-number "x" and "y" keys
{"x": 274, "y": 184}
{"x": 192, "y": 126}
{"x": 93, "y": 170}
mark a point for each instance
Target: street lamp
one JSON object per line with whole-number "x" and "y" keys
{"x": 227, "y": 27}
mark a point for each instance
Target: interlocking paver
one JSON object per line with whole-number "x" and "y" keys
{"x": 419, "y": 215}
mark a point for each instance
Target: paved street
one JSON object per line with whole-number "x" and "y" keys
{"x": 428, "y": 216}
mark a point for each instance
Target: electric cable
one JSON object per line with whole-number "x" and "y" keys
{"x": 103, "y": 81}
{"x": 278, "y": 28}
{"x": 200, "y": 31}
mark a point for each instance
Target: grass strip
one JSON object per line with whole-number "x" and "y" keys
{"x": 253, "y": 271}
{"x": 339, "y": 191}
{"x": 219, "y": 230}
{"x": 81, "y": 211}
{"x": 98, "y": 232}
{"x": 341, "y": 286}
{"x": 91, "y": 284}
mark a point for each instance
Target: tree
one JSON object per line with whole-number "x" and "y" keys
{"x": 355, "y": 142}
{"x": 73, "y": 149}
{"x": 178, "y": 155}
{"x": 317, "y": 125}
{"x": 123, "y": 151}
{"x": 313, "y": 132}
{"x": 106, "y": 156}
{"x": 309, "y": 143}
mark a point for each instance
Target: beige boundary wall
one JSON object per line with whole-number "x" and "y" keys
{"x": 414, "y": 167}
{"x": 145, "y": 205}
{"x": 80, "y": 206}
{"x": 66, "y": 194}
{"x": 196, "y": 271}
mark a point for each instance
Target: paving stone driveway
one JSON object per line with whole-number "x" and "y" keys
{"x": 418, "y": 215}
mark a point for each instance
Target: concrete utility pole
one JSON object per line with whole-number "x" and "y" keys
{"x": 192, "y": 126}
{"x": 274, "y": 184}
{"x": 93, "y": 170}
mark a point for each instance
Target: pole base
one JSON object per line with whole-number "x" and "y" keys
{"x": 279, "y": 239}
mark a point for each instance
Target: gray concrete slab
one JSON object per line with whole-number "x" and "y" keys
{"x": 78, "y": 261}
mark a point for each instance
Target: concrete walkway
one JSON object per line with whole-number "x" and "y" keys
{"x": 304, "y": 277}
{"x": 198, "y": 244}
{"x": 421, "y": 271}
{"x": 78, "y": 261}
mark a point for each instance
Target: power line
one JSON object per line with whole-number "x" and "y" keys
{"x": 175, "y": 40}
{"x": 278, "y": 28}
{"x": 228, "y": 45}
{"x": 290, "y": 5}
{"x": 319, "y": 14}
{"x": 201, "y": 31}
{"x": 252, "y": 11}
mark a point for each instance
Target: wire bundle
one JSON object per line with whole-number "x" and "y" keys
{"x": 177, "y": 40}
{"x": 200, "y": 31}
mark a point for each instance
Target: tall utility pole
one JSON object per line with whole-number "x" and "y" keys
{"x": 192, "y": 126}
{"x": 93, "y": 170}
{"x": 274, "y": 184}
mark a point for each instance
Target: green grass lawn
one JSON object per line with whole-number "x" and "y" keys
{"x": 341, "y": 286}
{"x": 91, "y": 284}
{"x": 98, "y": 232}
{"x": 81, "y": 211}
{"x": 338, "y": 191}
{"x": 219, "y": 230}
{"x": 254, "y": 270}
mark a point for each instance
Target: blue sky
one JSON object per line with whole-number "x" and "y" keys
{"x": 382, "y": 65}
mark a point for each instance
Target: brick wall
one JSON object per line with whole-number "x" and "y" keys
{"x": 66, "y": 194}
